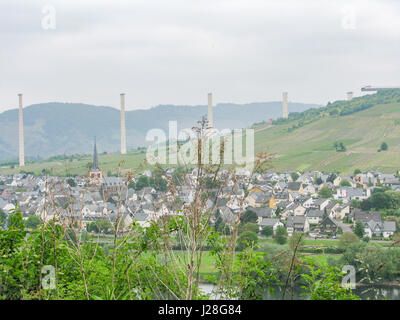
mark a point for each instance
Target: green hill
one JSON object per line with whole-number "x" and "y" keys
{"x": 305, "y": 141}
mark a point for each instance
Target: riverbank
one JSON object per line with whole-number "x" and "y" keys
{"x": 376, "y": 292}
{"x": 392, "y": 284}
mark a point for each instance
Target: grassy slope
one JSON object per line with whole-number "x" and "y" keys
{"x": 308, "y": 147}
{"x": 311, "y": 146}
{"x": 108, "y": 162}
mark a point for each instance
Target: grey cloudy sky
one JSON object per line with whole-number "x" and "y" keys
{"x": 175, "y": 51}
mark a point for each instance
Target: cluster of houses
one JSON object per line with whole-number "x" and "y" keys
{"x": 298, "y": 206}
{"x": 276, "y": 198}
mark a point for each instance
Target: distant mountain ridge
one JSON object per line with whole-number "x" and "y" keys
{"x": 56, "y": 128}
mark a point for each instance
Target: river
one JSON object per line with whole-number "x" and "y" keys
{"x": 365, "y": 293}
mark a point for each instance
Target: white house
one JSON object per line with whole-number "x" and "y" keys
{"x": 341, "y": 211}
{"x": 310, "y": 190}
{"x": 389, "y": 228}
{"x": 315, "y": 216}
{"x": 299, "y": 224}
{"x": 321, "y": 203}
{"x": 350, "y": 193}
{"x": 269, "y": 222}
{"x": 299, "y": 211}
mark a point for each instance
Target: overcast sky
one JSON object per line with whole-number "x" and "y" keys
{"x": 176, "y": 51}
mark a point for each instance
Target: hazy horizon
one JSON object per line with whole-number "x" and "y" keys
{"x": 162, "y": 53}
{"x": 117, "y": 108}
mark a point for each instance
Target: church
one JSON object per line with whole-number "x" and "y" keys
{"x": 108, "y": 186}
{"x": 95, "y": 174}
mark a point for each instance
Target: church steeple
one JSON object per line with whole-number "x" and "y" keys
{"x": 95, "y": 164}
{"x": 95, "y": 173}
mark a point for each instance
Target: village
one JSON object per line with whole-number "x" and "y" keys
{"x": 319, "y": 205}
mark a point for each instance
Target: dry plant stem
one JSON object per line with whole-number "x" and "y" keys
{"x": 42, "y": 238}
{"x": 54, "y": 233}
{"x": 78, "y": 252}
{"x": 291, "y": 265}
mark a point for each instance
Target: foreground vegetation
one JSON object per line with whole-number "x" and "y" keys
{"x": 135, "y": 266}
{"x": 57, "y": 258}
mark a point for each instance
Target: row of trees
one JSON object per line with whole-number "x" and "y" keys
{"x": 381, "y": 198}
{"x": 372, "y": 261}
{"x": 340, "y": 147}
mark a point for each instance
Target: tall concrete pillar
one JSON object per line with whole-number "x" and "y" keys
{"x": 123, "y": 131}
{"x": 349, "y": 96}
{"x": 21, "y": 133}
{"x": 210, "y": 111}
{"x": 285, "y": 111}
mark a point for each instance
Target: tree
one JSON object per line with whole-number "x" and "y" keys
{"x": 381, "y": 199}
{"x": 325, "y": 192}
{"x": 294, "y": 176}
{"x": 249, "y": 216}
{"x": 143, "y": 182}
{"x": 249, "y": 226}
{"x": 71, "y": 182}
{"x": 100, "y": 226}
{"x": 211, "y": 183}
{"x": 372, "y": 261}
{"x": 365, "y": 205}
{"x": 384, "y": 146}
{"x": 267, "y": 231}
{"x": 324, "y": 283}
{"x": 32, "y": 222}
{"x": 345, "y": 183}
{"x": 359, "y": 229}
{"x": 346, "y": 239}
{"x": 355, "y": 203}
{"x": 339, "y": 146}
{"x": 252, "y": 275}
{"x": 281, "y": 235}
{"x": 157, "y": 180}
{"x": 331, "y": 178}
{"x": 247, "y": 239}
{"x": 92, "y": 227}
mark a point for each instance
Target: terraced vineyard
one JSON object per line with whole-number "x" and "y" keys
{"x": 312, "y": 146}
